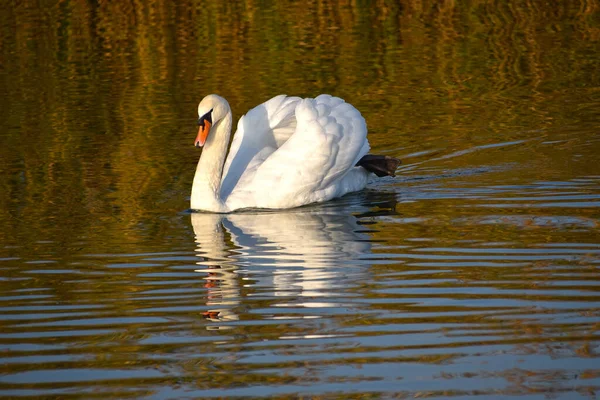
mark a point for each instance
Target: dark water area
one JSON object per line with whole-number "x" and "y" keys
{"x": 474, "y": 273}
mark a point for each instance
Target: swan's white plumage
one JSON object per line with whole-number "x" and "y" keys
{"x": 288, "y": 152}
{"x": 262, "y": 130}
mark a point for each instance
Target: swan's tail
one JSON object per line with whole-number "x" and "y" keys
{"x": 379, "y": 165}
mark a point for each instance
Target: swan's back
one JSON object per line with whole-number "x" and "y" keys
{"x": 289, "y": 151}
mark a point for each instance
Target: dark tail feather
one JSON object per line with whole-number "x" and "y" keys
{"x": 379, "y": 165}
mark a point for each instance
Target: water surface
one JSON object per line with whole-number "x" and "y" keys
{"x": 473, "y": 273}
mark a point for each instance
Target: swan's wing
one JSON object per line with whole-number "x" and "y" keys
{"x": 330, "y": 138}
{"x": 260, "y": 132}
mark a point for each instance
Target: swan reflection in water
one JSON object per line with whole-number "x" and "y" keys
{"x": 290, "y": 257}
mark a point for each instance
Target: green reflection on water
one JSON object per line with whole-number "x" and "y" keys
{"x": 100, "y": 99}
{"x": 97, "y": 123}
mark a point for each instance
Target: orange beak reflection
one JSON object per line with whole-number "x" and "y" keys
{"x": 202, "y": 134}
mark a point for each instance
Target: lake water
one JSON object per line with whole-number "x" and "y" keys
{"x": 474, "y": 273}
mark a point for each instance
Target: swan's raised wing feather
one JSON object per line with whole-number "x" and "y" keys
{"x": 330, "y": 137}
{"x": 260, "y": 132}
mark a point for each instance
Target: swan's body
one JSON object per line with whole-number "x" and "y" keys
{"x": 287, "y": 152}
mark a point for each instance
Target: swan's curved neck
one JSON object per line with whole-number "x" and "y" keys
{"x": 207, "y": 180}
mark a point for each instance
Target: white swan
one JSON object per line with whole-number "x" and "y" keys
{"x": 287, "y": 152}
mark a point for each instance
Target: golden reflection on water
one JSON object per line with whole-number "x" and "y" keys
{"x": 107, "y": 92}
{"x": 474, "y": 272}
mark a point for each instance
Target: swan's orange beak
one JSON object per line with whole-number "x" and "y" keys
{"x": 202, "y": 134}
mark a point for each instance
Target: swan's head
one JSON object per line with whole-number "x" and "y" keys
{"x": 212, "y": 109}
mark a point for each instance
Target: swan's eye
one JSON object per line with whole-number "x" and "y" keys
{"x": 205, "y": 117}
